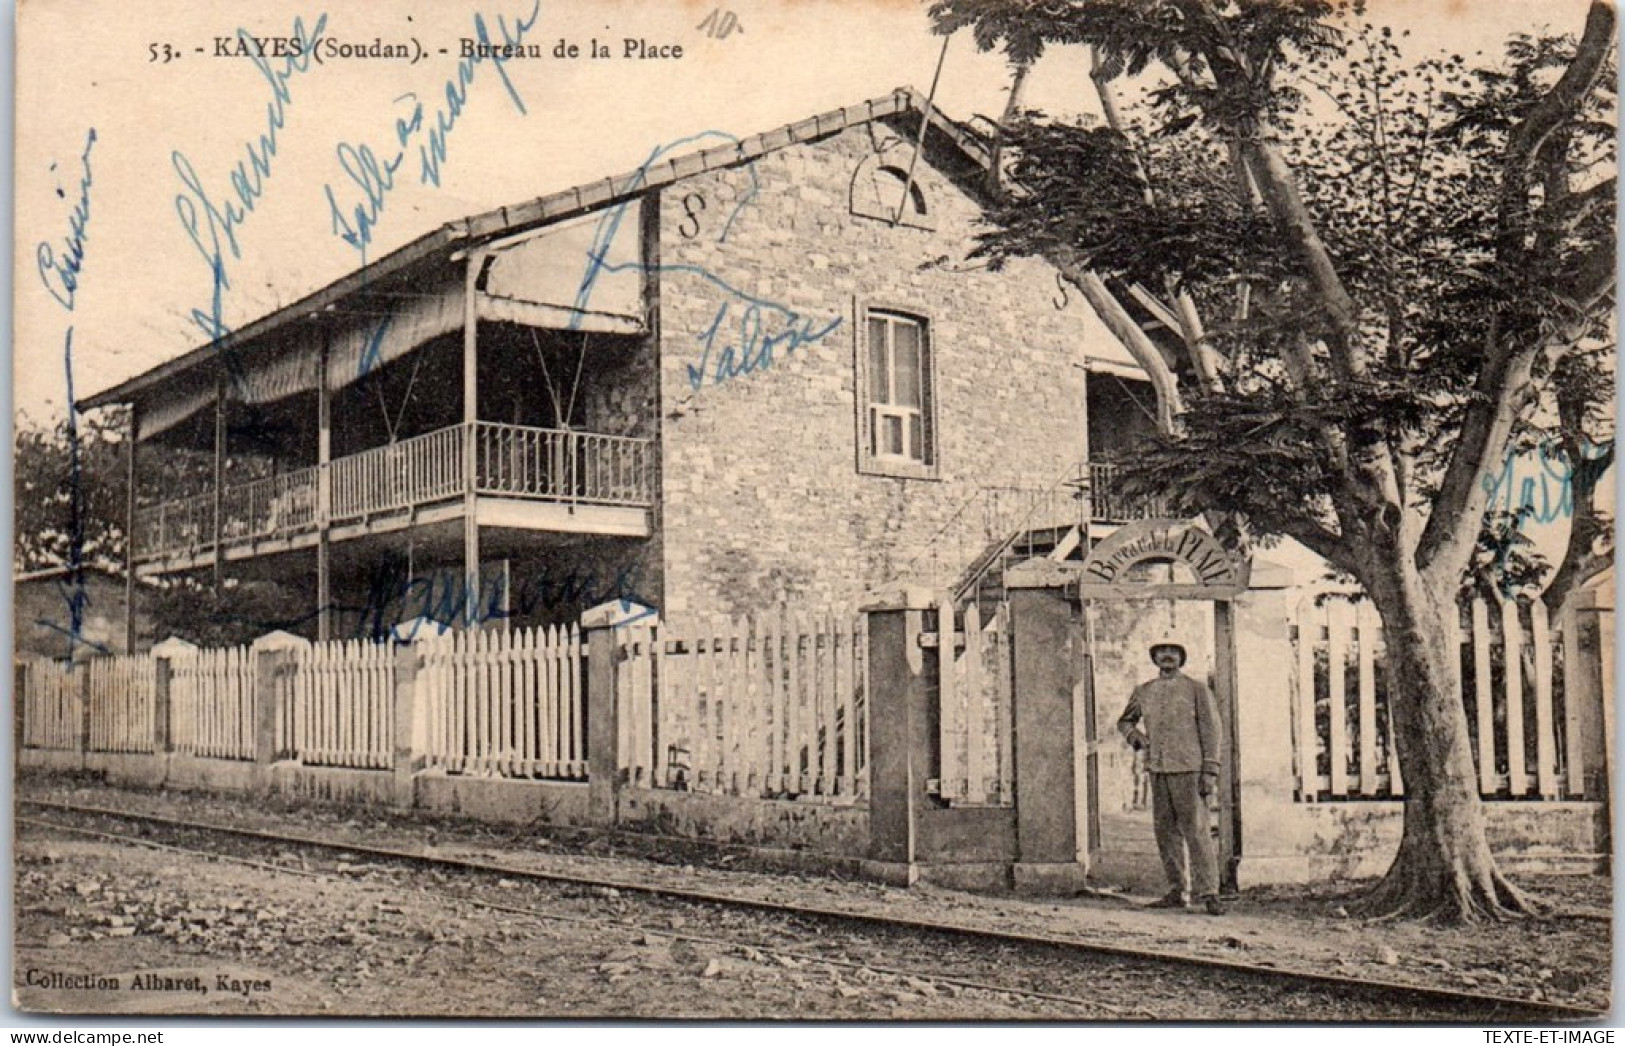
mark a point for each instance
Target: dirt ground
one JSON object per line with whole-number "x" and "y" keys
{"x": 1564, "y": 957}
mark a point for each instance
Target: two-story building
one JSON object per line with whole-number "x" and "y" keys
{"x": 750, "y": 372}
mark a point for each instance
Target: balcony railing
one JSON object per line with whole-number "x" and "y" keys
{"x": 562, "y": 466}
{"x": 416, "y": 471}
{"x": 509, "y": 461}
{"x": 1108, "y": 503}
{"x": 279, "y": 504}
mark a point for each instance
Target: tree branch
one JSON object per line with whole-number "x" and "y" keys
{"x": 1554, "y": 109}
{"x": 1135, "y": 340}
{"x": 1502, "y": 387}
{"x": 1330, "y": 546}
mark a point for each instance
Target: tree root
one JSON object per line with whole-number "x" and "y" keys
{"x": 1453, "y": 898}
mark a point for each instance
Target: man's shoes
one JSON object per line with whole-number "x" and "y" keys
{"x": 1173, "y": 899}
{"x": 1211, "y": 903}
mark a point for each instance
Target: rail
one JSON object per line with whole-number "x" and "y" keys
{"x": 416, "y": 471}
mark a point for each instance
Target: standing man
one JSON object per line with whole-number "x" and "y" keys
{"x": 1175, "y": 719}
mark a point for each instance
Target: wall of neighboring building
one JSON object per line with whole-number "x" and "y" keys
{"x": 43, "y": 620}
{"x": 763, "y": 499}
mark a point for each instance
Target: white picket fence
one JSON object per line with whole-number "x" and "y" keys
{"x": 212, "y": 703}
{"x": 769, "y": 706}
{"x": 123, "y": 695}
{"x": 338, "y": 705}
{"x": 1525, "y": 735}
{"x": 53, "y": 716}
{"x": 975, "y": 677}
{"x": 506, "y": 703}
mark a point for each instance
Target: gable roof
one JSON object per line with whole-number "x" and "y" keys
{"x": 440, "y": 245}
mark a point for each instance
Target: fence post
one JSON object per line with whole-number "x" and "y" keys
{"x": 1051, "y": 851}
{"x": 408, "y": 736}
{"x": 273, "y": 655}
{"x": 164, "y": 654}
{"x": 81, "y": 668}
{"x": 19, "y": 710}
{"x": 900, "y": 734}
{"x": 1258, "y": 807}
{"x": 603, "y": 723}
{"x": 1592, "y": 704}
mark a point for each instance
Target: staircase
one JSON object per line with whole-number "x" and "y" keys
{"x": 998, "y": 527}
{"x": 983, "y": 581}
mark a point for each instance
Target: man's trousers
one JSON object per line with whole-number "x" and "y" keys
{"x": 1181, "y": 818}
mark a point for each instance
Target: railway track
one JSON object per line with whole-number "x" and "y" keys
{"x": 1059, "y": 971}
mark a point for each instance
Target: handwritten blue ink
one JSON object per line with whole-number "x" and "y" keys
{"x": 447, "y": 600}
{"x": 372, "y": 355}
{"x": 754, "y": 348}
{"x": 75, "y": 594}
{"x": 1543, "y": 498}
{"x": 212, "y": 226}
{"x": 373, "y": 173}
{"x": 609, "y": 223}
{"x": 67, "y": 268}
{"x": 434, "y": 152}
{"x": 1556, "y": 483}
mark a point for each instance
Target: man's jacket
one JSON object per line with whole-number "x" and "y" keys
{"x": 1179, "y": 720}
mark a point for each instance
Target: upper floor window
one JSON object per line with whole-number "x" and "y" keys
{"x": 898, "y": 415}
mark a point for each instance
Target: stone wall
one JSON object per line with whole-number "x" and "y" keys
{"x": 763, "y": 500}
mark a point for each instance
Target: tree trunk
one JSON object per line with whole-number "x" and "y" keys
{"x": 1444, "y": 870}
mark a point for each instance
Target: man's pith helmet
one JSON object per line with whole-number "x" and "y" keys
{"x": 1168, "y": 644}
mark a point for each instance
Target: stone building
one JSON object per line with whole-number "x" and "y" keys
{"x": 750, "y": 373}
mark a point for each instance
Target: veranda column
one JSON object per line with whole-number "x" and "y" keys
{"x": 219, "y": 480}
{"x": 324, "y": 489}
{"x": 129, "y": 530}
{"x": 471, "y": 415}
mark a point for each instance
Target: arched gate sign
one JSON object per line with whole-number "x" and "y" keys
{"x": 1105, "y": 573}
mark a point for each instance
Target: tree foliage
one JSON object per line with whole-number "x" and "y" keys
{"x": 70, "y": 494}
{"x": 1387, "y": 277}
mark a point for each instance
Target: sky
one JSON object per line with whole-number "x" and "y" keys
{"x": 88, "y": 70}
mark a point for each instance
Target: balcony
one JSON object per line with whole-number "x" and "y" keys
{"x": 525, "y": 478}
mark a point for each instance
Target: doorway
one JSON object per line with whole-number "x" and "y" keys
{"x": 1149, "y": 582}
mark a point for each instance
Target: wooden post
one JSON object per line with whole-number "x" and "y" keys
{"x": 471, "y": 417}
{"x": 129, "y": 531}
{"x": 603, "y": 712}
{"x": 1589, "y": 694}
{"x": 1512, "y": 659}
{"x": 1225, "y": 682}
{"x": 163, "y": 730}
{"x": 82, "y": 669}
{"x": 219, "y": 480}
{"x": 407, "y": 732}
{"x": 19, "y": 710}
{"x": 1051, "y": 851}
{"x": 324, "y": 489}
{"x": 900, "y": 732}
{"x": 273, "y": 655}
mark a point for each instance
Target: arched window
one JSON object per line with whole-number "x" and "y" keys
{"x": 880, "y": 184}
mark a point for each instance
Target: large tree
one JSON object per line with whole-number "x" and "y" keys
{"x": 1408, "y": 272}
